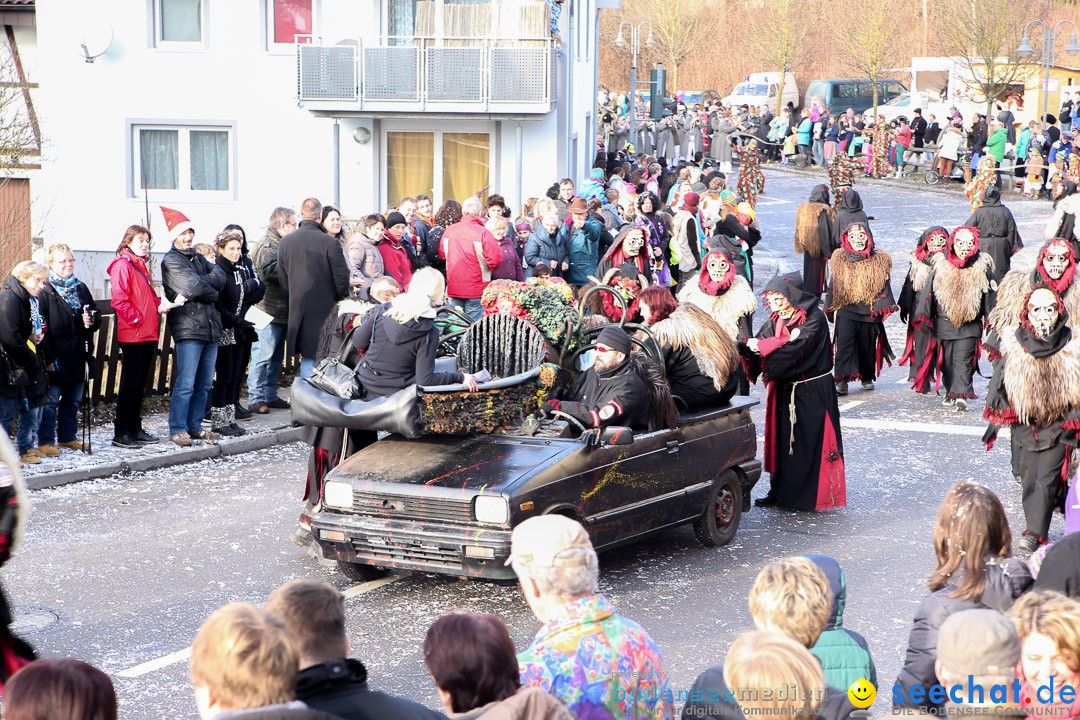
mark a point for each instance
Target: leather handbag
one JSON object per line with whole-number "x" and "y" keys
{"x": 333, "y": 375}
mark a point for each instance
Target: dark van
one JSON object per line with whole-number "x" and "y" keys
{"x": 839, "y": 95}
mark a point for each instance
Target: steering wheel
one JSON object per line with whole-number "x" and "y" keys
{"x": 569, "y": 418}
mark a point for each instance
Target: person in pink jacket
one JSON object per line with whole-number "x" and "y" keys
{"x": 137, "y": 320}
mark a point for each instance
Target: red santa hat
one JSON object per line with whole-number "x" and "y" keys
{"x": 176, "y": 222}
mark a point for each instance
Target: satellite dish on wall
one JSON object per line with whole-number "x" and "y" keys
{"x": 95, "y": 38}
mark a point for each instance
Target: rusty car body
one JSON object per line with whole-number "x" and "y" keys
{"x": 447, "y": 504}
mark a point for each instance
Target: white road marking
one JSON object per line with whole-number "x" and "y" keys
{"x": 156, "y": 664}
{"x": 903, "y": 381}
{"x": 185, "y": 654}
{"x": 369, "y": 586}
{"x": 1031, "y": 222}
{"x": 942, "y": 428}
{"x": 851, "y": 404}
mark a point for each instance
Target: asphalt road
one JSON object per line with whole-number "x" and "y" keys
{"x": 121, "y": 572}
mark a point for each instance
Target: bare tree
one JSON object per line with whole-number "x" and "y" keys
{"x": 984, "y": 36}
{"x": 777, "y": 37}
{"x": 870, "y": 39}
{"x": 680, "y": 29}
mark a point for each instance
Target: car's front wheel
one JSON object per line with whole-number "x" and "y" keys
{"x": 720, "y": 520}
{"x": 361, "y": 573}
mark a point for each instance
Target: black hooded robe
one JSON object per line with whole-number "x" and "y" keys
{"x": 850, "y": 213}
{"x": 998, "y": 236}
{"x": 815, "y": 268}
{"x": 805, "y": 459}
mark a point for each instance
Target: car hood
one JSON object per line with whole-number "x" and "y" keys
{"x": 473, "y": 463}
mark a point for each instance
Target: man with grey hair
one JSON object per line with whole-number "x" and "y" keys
{"x": 269, "y": 351}
{"x": 977, "y": 654}
{"x": 471, "y": 253}
{"x": 558, "y": 571}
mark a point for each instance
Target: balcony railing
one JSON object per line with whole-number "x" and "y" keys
{"x": 413, "y": 74}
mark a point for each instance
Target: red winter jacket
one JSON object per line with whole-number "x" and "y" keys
{"x": 459, "y": 247}
{"x": 396, "y": 261}
{"x": 134, "y": 299}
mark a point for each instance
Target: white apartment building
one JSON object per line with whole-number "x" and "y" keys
{"x": 224, "y": 109}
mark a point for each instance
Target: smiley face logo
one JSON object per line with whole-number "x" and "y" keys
{"x": 862, "y": 693}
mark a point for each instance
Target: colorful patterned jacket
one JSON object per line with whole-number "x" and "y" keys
{"x": 600, "y": 664}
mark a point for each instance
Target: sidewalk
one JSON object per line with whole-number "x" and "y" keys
{"x": 72, "y": 466}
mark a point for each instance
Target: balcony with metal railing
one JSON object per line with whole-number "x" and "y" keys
{"x": 457, "y": 75}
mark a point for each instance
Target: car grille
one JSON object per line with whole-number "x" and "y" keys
{"x": 412, "y": 508}
{"x": 407, "y": 549}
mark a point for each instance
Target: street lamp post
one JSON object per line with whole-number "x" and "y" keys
{"x": 1049, "y": 45}
{"x": 635, "y": 44}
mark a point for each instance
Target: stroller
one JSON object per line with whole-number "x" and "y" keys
{"x": 933, "y": 177}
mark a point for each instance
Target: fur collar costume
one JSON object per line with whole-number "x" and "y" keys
{"x": 861, "y": 281}
{"x": 1041, "y": 390}
{"x": 806, "y": 223}
{"x": 959, "y": 291}
{"x": 727, "y": 307}
{"x": 691, "y": 327}
{"x": 919, "y": 270}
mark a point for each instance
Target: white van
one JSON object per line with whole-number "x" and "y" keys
{"x": 762, "y": 89}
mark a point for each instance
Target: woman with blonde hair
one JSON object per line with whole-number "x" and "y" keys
{"x": 975, "y": 570}
{"x": 71, "y": 319}
{"x": 1049, "y": 627}
{"x": 23, "y": 386}
{"x": 400, "y": 340}
{"x": 761, "y": 662}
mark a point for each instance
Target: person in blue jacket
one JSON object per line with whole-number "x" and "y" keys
{"x": 581, "y": 238}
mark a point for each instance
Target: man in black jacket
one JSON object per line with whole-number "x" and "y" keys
{"x": 313, "y": 613}
{"x": 191, "y": 284}
{"x": 314, "y": 274}
{"x": 610, "y": 392}
{"x": 918, "y": 129}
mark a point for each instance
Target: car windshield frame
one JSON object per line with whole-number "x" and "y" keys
{"x": 749, "y": 88}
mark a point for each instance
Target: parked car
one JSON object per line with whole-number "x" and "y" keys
{"x": 839, "y": 95}
{"x": 904, "y": 105}
{"x": 763, "y": 89}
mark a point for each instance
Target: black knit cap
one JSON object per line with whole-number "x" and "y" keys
{"x": 615, "y": 338}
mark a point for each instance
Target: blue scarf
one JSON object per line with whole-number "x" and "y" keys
{"x": 68, "y": 289}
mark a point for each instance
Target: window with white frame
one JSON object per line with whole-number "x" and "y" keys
{"x": 193, "y": 161}
{"x": 179, "y": 24}
{"x": 285, "y": 19}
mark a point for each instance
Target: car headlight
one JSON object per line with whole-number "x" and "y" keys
{"x": 491, "y": 509}
{"x": 338, "y": 495}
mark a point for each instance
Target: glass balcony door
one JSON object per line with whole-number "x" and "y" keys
{"x": 444, "y": 165}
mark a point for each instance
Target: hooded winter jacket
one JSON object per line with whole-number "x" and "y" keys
{"x": 844, "y": 654}
{"x": 1006, "y": 580}
{"x": 998, "y": 236}
{"x": 542, "y": 247}
{"x": 398, "y": 355}
{"x": 340, "y": 687}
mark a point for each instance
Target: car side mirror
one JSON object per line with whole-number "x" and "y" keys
{"x": 616, "y": 435}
